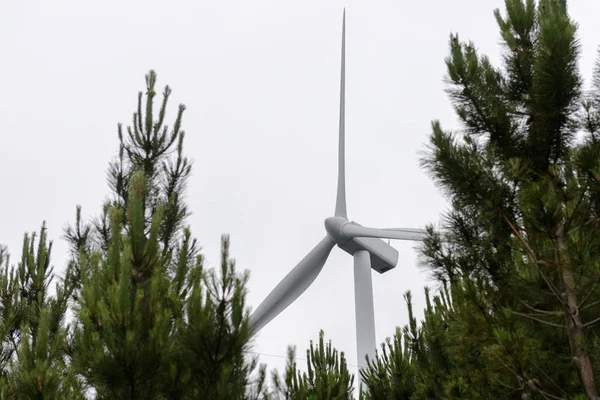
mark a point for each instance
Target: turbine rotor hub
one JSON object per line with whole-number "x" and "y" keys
{"x": 335, "y": 228}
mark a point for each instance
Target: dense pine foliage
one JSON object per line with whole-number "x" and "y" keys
{"x": 518, "y": 259}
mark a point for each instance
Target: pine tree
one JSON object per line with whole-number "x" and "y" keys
{"x": 391, "y": 374}
{"x": 152, "y": 322}
{"x": 327, "y": 376}
{"x": 291, "y": 384}
{"x": 215, "y": 336}
{"x": 147, "y": 146}
{"x": 9, "y": 317}
{"x": 518, "y": 264}
{"x": 522, "y": 179}
{"x": 35, "y": 362}
{"x": 124, "y": 333}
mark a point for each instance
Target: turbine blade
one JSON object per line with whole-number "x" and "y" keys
{"x": 340, "y": 203}
{"x": 352, "y": 231}
{"x": 292, "y": 286}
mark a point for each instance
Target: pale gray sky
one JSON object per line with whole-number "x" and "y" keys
{"x": 260, "y": 80}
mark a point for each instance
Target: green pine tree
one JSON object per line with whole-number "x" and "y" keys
{"x": 518, "y": 263}
{"x": 10, "y": 316}
{"x": 147, "y": 146}
{"x": 390, "y": 375}
{"x": 35, "y": 357}
{"x": 214, "y": 338}
{"x": 152, "y": 322}
{"x": 521, "y": 178}
{"x": 327, "y": 376}
{"x": 123, "y": 338}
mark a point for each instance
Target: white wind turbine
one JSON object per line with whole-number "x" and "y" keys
{"x": 363, "y": 243}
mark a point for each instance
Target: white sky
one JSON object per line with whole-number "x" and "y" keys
{"x": 260, "y": 80}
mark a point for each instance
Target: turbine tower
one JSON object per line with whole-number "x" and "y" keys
{"x": 363, "y": 243}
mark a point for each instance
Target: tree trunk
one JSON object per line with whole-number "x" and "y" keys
{"x": 575, "y": 326}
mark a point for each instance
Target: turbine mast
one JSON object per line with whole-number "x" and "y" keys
{"x": 364, "y": 308}
{"x": 340, "y": 204}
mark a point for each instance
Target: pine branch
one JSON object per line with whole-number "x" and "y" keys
{"x": 530, "y": 316}
{"x": 591, "y": 323}
{"x": 533, "y": 258}
{"x": 548, "y": 377}
{"x": 589, "y": 305}
{"x": 541, "y": 312}
{"x": 588, "y": 296}
{"x": 569, "y": 219}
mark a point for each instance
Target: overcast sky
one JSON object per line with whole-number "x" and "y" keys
{"x": 260, "y": 80}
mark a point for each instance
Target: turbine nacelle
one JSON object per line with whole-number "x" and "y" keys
{"x": 347, "y": 235}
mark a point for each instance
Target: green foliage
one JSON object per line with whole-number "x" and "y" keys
{"x": 214, "y": 338}
{"x": 10, "y": 314}
{"x": 147, "y": 147}
{"x": 152, "y": 322}
{"x": 125, "y": 325}
{"x": 391, "y": 375}
{"x": 35, "y": 362}
{"x": 518, "y": 256}
{"x": 327, "y": 376}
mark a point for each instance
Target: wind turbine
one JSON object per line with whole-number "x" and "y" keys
{"x": 363, "y": 243}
